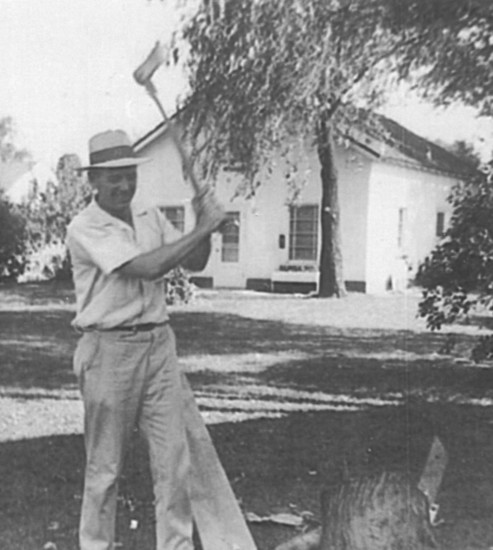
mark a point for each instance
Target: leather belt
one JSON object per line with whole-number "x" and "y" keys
{"x": 143, "y": 327}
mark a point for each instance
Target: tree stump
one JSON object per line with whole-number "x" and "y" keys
{"x": 384, "y": 512}
{"x": 380, "y": 512}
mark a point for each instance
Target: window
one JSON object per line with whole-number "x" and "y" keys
{"x": 176, "y": 216}
{"x": 402, "y": 227}
{"x": 230, "y": 250}
{"x": 440, "y": 224}
{"x": 303, "y": 232}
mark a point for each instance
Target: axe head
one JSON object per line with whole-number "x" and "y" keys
{"x": 143, "y": 73}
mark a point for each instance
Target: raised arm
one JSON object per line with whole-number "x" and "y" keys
{"x": 190, "y": 251}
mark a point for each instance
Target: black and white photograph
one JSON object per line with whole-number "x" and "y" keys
{"x": 246, "y": 274}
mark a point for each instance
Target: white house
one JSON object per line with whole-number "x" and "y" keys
{"x": 393, "y": 201}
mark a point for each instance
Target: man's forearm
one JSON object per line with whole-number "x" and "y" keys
{"x": 197, "y": 260}
{"x": 156, "y": 263}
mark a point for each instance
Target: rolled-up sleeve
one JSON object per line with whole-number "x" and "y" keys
{"x": 106, "y": 247}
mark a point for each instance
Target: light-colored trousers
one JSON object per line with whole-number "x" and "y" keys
{"x": 130, "y": 379}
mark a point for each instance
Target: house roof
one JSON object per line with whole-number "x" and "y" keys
{"x": 150, "y": 136}
{"x": 383, "y": 139}
{"x": 425, "y": 152}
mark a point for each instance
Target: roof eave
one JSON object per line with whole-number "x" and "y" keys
{"x": 148, "y": 138}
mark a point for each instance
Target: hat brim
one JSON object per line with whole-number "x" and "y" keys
{"x": 117, "y": 163}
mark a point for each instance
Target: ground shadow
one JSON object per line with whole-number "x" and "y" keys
{"x": 226, "y": 333}
{"x": 376, "y": 377}
{"x": 274, "y": 465}
{"x": 36, "y": 350}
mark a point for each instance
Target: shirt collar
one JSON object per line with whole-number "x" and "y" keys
{"x": 106, "y": 218}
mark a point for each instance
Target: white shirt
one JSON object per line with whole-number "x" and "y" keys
{"x": 99, "y": 244}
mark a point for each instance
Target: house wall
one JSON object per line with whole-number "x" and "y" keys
{"x": 420, "y": 196}
{"x": 161, "y": 180}
{"x": 264, "y": 218}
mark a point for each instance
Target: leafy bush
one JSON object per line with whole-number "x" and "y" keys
{"x": 47, "y": 214}
{"x": 179, "y": 289}
{"x": 44, "y": 263}
{"x": 458, "y": 275}
{"x": 12, "y": 240}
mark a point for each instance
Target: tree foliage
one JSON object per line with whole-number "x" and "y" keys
{"x": 454, "y": 54}
{"x": 9, "y": 152}
{"x": 465, "y": 151}
{"x": 12, "y": 240}
{"x": 12, "y": 224}
{"x": 48, "y": 212}
{"x": 263, "y": 71}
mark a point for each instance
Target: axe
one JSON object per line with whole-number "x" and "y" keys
{"x": 143, "y": 77}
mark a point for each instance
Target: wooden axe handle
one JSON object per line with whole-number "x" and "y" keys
{"x": 198, "y": 187}
{"x": 143, "y": 76}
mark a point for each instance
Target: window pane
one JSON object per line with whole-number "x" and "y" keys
{"x": 440, "y": 225}
{"x": 402, "y": 228}
{"x": 305, "y": 241}
{"x": 304, "y": 254}
{"x": 230, "y": 249}
{"x": 305, "y": 226}
{"x": 176, "y": 216}
{"x": 303, "y": 233}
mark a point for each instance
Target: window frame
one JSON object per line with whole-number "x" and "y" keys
{"x": 440, "y": 224}
{"x": 294, "y": 248}
{"x": 231, "y": 247}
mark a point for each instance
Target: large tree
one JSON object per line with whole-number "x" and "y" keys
{"x": 271, "y": 76}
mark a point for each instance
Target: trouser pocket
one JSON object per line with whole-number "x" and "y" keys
{"x": 85, "y": 353}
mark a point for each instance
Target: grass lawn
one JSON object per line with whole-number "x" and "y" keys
{"x": 297, "y": 393}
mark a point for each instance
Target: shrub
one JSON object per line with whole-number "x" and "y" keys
{"x": 458, "y": 274}
{"x": 179, "y": 289}
{"x": 47, "y": 214}
{"x": 45, "y": 263}
{"x": 12, "y": 240}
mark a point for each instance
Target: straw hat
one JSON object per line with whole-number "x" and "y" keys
{"x": 112, "y": 149}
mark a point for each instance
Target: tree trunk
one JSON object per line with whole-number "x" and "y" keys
{"x": 331, "y": 281}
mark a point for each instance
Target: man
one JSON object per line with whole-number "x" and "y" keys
{"x": 126, "y": 362}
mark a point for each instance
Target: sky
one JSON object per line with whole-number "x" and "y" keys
{"x": 67, "y": 67}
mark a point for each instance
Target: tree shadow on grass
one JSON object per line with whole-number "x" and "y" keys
{"x": 273, "y": 465}
{"x": 36, "y": 348}
{"x": 225, "y": 333}
{"x": 440, "y": 379}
